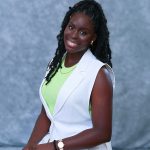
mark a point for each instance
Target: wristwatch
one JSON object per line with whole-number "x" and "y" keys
{"x": 60, "y": 144}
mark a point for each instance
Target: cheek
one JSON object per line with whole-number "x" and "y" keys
{"x": 66, "y": 33}
{"x": 85, "y": 41}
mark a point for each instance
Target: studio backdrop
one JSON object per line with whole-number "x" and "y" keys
{"x": 28, "y": 30}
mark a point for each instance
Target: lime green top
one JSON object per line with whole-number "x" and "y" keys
{"x": 51, "y": 90}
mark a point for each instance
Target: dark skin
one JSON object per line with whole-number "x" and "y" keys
{"x": 77, "y": 37}
{"x": 40, "y": 129}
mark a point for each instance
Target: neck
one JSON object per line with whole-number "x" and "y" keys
{"x": 73, "y": 58}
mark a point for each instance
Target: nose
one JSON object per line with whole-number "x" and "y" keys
{"x": 74, "y": 34}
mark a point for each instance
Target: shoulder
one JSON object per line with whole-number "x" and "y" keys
{"x": 103, "y": 79}
{"x": 99, "y": 69}
{"x": 105, "y": 72}
{"x": 105, "y": 75}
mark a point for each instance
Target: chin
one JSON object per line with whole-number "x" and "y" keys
{"x": 71, "y": 50}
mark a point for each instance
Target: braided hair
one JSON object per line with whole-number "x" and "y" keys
{"x": 100, "y": 47}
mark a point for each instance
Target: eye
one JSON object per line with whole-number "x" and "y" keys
{"x": 83, "y": 33}
{"x": 70, "y": 27}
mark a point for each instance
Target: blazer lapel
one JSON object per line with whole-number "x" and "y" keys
{"x": 73, "y": 81}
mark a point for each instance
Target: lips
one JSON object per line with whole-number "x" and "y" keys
{"x": 71, "y": 44}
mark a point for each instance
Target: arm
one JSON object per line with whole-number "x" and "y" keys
{"x": 40, "y": 129}
{"x": 101, "y": 100}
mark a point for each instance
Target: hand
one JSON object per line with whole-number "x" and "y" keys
{"x": 29, "y": 147}
{"x": 47, "y": 146}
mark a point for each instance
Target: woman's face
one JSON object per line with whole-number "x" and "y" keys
{"x": 79, "y": 33}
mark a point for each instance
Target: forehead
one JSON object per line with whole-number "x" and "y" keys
{"x": 81, "y": 20}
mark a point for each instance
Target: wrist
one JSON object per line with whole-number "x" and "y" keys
{"x": 59, "y": 145}
{"x": 30, "y": 146}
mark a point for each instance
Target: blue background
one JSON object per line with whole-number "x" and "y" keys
{"x": 28, "y": 30}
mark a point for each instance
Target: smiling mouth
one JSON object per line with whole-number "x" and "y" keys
{"x": 71, "y": 44}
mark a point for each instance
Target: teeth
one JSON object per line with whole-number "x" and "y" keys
{"x": 71, "y": 44}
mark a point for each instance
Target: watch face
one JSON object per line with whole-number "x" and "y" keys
{"x": 60, "y": 144}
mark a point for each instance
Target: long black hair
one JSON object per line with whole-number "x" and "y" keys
{"x": 100, "y": 48}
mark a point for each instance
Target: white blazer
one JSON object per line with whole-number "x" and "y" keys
{"x": 71, "y": 113}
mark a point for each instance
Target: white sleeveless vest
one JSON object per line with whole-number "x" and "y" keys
{"x": 71, "y": 113}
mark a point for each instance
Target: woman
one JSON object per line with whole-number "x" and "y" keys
{"x": 77, "y": 90}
